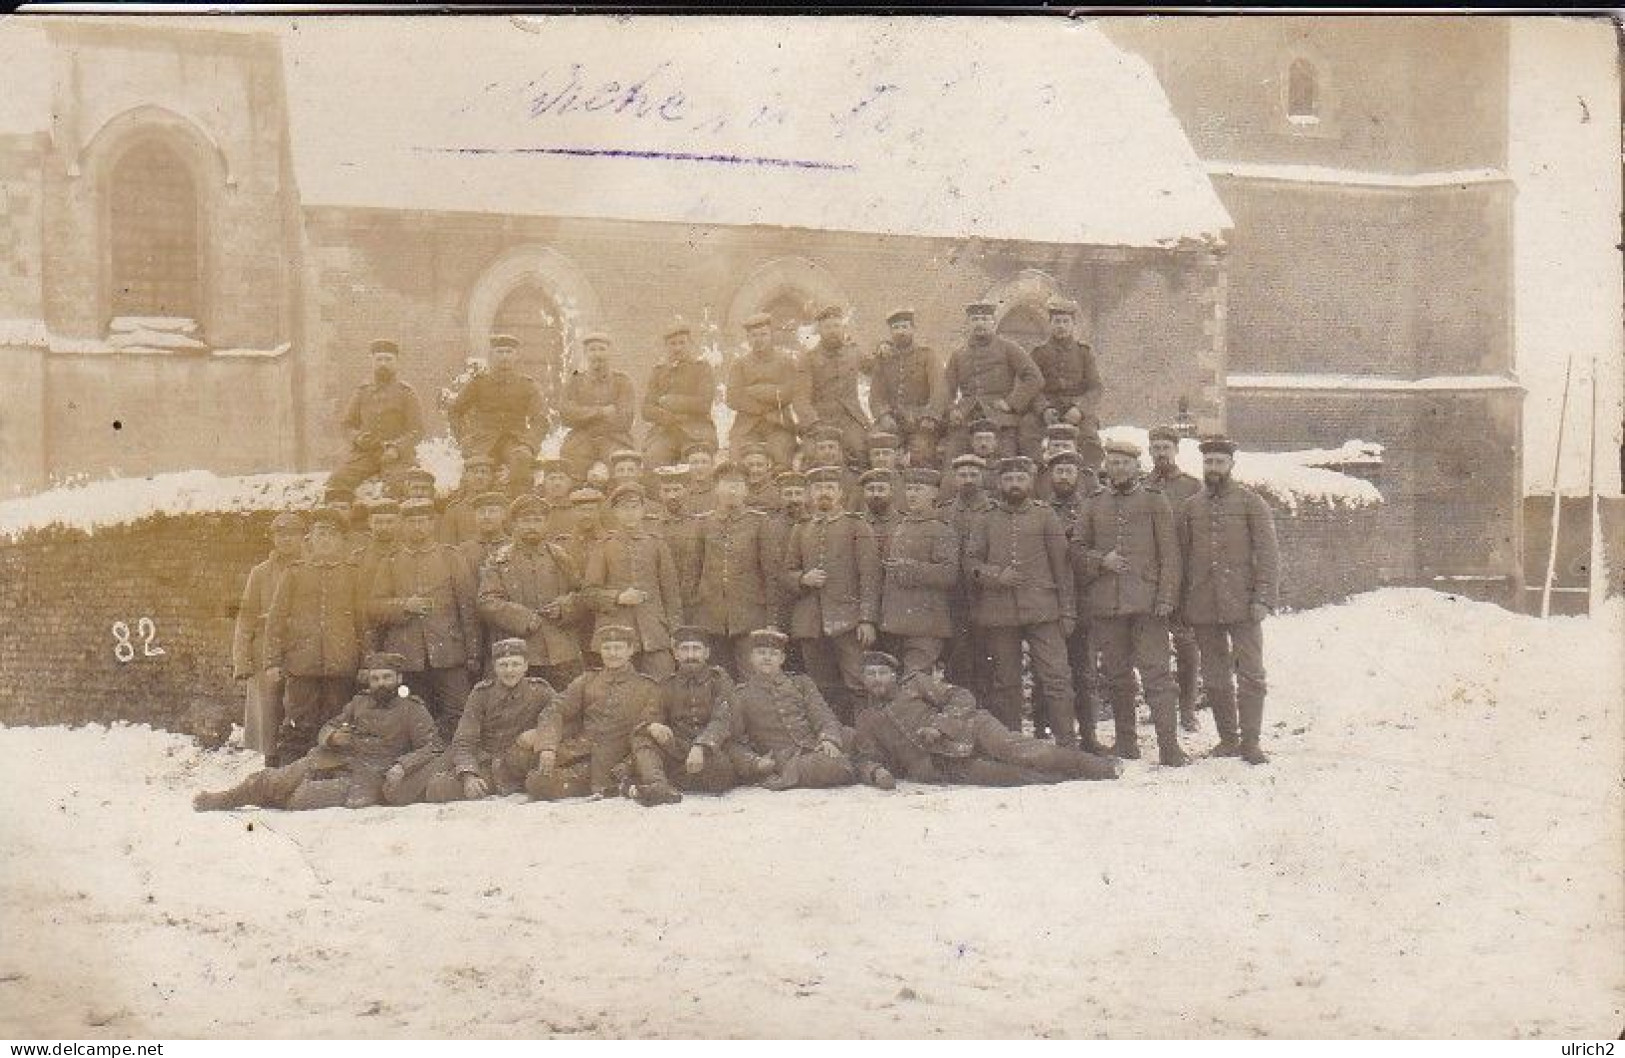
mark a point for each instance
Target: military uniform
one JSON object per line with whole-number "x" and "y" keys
{"x": 979, "y": 374}
{"x": 262, "y": 711}
{"x": 677, "y": 405}
{"x": 825, "y": 620}
{"x": 516, "y": 586}
{"x": 681, "y": 531}
{"x": 379, "y": 417}
{"x": 905, "y": 396}
{"x": 314, "y": 636}
{"x": 738, "y": 589}
{"x": 919, "y": 574}
{"x": 636, "y": 558}
{"x": 770, "y": 397}
{"x": 501, "y": 414}
{"x": 1017, "y": 558}
{"x": 1072, "y": 385}
{"x": 1232, "y": 564}
{"x": 598, "y": 412}
{"x": 437, "y": 645}
{"x": 785, "y": 718}
{"x": 696, "y": 705}
{"x": 1179, "y": 487}
{"x": 1123, "y": 608}
{"x": 590, "y": 728}
{"x": 968, "y": 661}
{"x": 831, "y": 372}
{"x": 487, "y": 743}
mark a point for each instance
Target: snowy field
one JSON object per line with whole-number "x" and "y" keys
{"x": 1435, "y": 851}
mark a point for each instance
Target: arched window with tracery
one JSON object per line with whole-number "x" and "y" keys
{"x": 155, "y": 258}
{"x": 1302, "y": 92}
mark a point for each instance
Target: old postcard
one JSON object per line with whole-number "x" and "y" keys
{"x": 955, "y": 527}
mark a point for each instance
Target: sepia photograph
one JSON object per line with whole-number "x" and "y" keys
{"x": 1056, "y": 526}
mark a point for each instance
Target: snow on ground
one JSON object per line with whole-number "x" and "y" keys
{"x": 1434, "y": 852}
{"x": 1290, "y": 478}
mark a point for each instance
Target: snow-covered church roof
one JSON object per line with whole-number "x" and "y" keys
{"x": 1031, "y": 129}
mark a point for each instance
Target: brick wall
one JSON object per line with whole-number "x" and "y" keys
{"x": 62, "y": 591}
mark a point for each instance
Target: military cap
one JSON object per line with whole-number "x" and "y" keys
{"x": 1059, "y": 306}
{"x": 1064, "y": 457}
{"x": 417, "y": 508}
{"x": 1016, "y": 465}
{"x": 899, "y": 315}
{"x": 288, "y": 520}
{"x": 1164, "y": 433}
{"x": 983, "y": 426}
{"x": 1122, "y": 448}
{"x": 824, "y": 431}
{"x": 554, "y": 466}
{"x": 754, "y": 448}
{"x": 729, "y": 469}
{"x": 758, "y": 319}
{"x": 689, "y": 634}
{"x": 676, "y": 327}
{"x": 631, "y": 490}
{"x": 874, "y": 475}
{"x": 490, "y": 499}
{"x": 582, "y": 497}
{"x": 382, "y": 505}
{"x": 1217, "y": 444}
{"x": 624, "y": 455}
{"x": 883, "y": 439}
{"x": 969, "y": 459}
{"x": 384, "y": 345}
{"x": 338, "y": 495}
{"x": 475, "y": 461}
{"x": 510, "y": 648}
{"x": 923, "y": 476}
{"x": 526, "y": 503}
{"x": 769, "y": 637}
{"x": 831, "y": 312}
{"x": 675, "y": 472}
{"x": 1061, "y": 431}
{"x": 873, "y": 658}
{"x": 504, "y": 341}
{"x": 384, "y": 659}
{"x": 616, "y": 634}
{"x": 326, "y": 516}
{"x": 595, "y": 338}
{"x": 981, "y": 308}
{"x": 826, "y": 472}
{"x": 699, "y": 446}
{"x": 790, "y": 479}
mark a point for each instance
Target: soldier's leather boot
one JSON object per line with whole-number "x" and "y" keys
{"x": 877, "y": 776}
{"x": 1252, "y": 754}
{"x": 1172, "y": 756}
{"x": 652, "y": 794}
{"x": 1168, "y": 751}
{"x": 1227, "y": 747}
{"x": 1252, "y": 723}
{"x": 1187, "y": 716}
{"x": 218, "y": 800}
{"x": 1127, "y": 746}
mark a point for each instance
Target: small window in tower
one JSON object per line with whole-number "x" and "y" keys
{"x": 154, "y": 229}
{"x": 1302, "y": 93}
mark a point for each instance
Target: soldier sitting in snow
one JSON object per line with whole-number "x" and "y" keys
{"x": 361, "y": 759}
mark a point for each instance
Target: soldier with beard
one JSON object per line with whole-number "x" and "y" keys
{"x": 1072, "y": 482}
{"x": 904, "y": 389}
{"x": 1126, "y": 552}
{"x": 597, "y": 406}
{"x": 262, "y": 709}
{"x": 768, "y": 394}
{"x": 672, "y": 522}
{"x": 1017, "y": 556}
{"x": 490, "y": 532}
{"x": 494, "y": 747}
{"x": 1227, "y": 536}
{"x": 919, "y": 569}
{"x": 502, "y": 414}
{"x": 832, "y": 568}
{"x": 361, "y": 756}
{"x": 831, "y": 370}
{"x": 691, "y": 727}
{"x": 990, "y": 377}
{"x": 927, "y": 730}
{"x": 532, "y": 590}
{"x": 384, "y": 423}
{"x": 1177, "y": 486}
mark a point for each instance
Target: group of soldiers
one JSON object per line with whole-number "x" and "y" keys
{"x": 851, "y": 595}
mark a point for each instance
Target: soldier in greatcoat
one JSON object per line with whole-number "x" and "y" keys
{"x": 490, "y": 533}
{"x": 671, "y": 519}
{"x": 383, "y": 423}
{"x": 968, "y": 660}
{"x": 494, "y": 747}
{"x": 905, "y": 382}
{"x": 631, "y": 580}
{"x": 1231, "y": 573}
{"x": 1125, "y": 550}
{"x": 1072, "y": 482}
{"x": 832, "y": 568}
{"x": 831, "y": 369}
{"x": 457, "y": 520}
{"x": 1177, "y": 486}
{"x": 677, "y": 401}
{"x": 761, "y": 492}
{"x": 262, "y": 710}
{"x": 990, "y": 377}
{"x": 361, "y": 756}
{"x": 1072, "y": 386}
{"x": 502, "y": 414}
{"x": 584, "y": 740}
{"x": 738, "y": 585}
{"x": 784, "y": 717}
{"x": 1025, "y": 593}
{"x": 691, "y": 727}
{"x": 313, "y": 636}
{"x": 532, "y": 590}
{"x": 597, "y": 407}
{"x": 918, "y": 574}
{"x": 769, "y": 395}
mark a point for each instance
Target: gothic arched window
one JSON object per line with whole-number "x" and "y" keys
{"x": 153, "y": 235}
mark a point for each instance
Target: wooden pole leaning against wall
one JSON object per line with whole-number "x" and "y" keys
{"x": 1557, "y": 494}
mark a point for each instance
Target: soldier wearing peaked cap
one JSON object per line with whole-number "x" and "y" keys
{"x": 361, "y": 757}
{"x": 737, "y": 589}
{"x": 905, "y": 387}
{"x": 756, "y": 465}
{"x": 671, "y": 519}
{"x": 831, "y": 369}
{"x": 532, "y": 590}
{"x": 677, "y": 401}
{"x": 990, "y": 377}
{"x": 631, "y": 581}
{"x": 383, "y": 423}
{"x": 770, "y": 397}
{"x": 1072, "y": 386}
{"x": 1177, "y": 486}
{"x": 490, "y": 539}
{"x": 457, "y": 521}
{"x": 919, "y": 570}
{"x": 597, "y": 407}
{"x": 262, "y": 709}
{"x": 967, "y": 502}
{"x": 1232, "y": 568}
{"x": 500, "y": 413}
{"x": 691, "y": 727}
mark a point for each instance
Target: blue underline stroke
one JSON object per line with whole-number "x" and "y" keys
{"x": 663, "y": 156}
